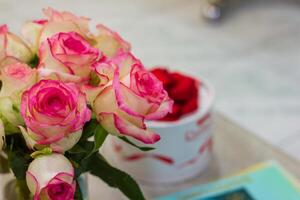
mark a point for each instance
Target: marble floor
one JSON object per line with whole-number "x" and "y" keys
{"x": 252, "y": 58}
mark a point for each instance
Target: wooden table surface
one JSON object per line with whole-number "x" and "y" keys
{"x": 234, "y": 149}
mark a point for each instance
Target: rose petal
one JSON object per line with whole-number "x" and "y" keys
{"x": 33, "y": 185}
{"x": 11, "y": 45}
{"x": 116, "y": 125}
{"x": 31, "y": 31}
{"x": 110, "y": 42}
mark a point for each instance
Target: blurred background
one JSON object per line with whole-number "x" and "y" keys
{"x": 249, "y": 50}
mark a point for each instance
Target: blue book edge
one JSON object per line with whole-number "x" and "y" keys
{"x": 263, "y": 181}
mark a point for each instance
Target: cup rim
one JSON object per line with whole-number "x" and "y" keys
{"x": 201, "y": 112}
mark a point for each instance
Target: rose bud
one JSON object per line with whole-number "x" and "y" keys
{"x": 12, "y": 46}
{"x": 37, "y": 31}
{"x": 67, "y": 57}
{"x": 54, "y": 113}
{"x": 15, "y": 78}
{"x": 110, "y": 42}
{"x": 2, "y": 135}
{"x": 10, "y": 115}
{"x": 133, "y": 95}
{"x": 51, "y": 177}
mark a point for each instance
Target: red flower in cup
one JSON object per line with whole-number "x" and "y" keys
{"x": 182, "y": 89}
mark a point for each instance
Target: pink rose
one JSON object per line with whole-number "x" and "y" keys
{"x": 51, "y": 177}
{"x": 131, "y": 96}
{"x": 54, "y": 113}
{"x": 37, "y": 31}
{"x": 12, "y": 46}
{"x": 67, "y": 57}
{"x": 16, "y": 77}
{"x": 110, "y": 42}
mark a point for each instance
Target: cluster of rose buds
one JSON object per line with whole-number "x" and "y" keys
{"x": 60, "y": 77}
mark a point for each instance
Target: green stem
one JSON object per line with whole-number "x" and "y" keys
{"x": 4, "y": 168}
{"x": 22, "y": 190}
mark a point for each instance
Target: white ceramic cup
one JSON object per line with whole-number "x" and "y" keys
{"x": 183, "y": 151}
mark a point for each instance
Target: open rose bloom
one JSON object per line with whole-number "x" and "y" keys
{"x": 131, "y": 95}
{"x": 63, "y": 89}
{"x": 54, "y": 113}
{"x": 185, "y": 148}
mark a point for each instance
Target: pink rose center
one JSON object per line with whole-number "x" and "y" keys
{"x": 149, "y": 86}
{"x": 55, "y": 103}
{"x": 59, "y": 191}
{"x": 74, "y": 45}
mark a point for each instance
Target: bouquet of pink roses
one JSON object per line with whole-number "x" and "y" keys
{"x": 64, "y": 89}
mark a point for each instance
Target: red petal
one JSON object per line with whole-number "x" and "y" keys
{"x": 163, "y": 75}
{"x": 175, "y": 115}
{"x": 190, "y": 106}
{"x": 184, "y": 87}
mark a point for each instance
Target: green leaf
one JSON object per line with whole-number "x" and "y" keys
{"x": 77, "y": 149}
{"x": 85, "y": 157}
{"x": 139, "y": 147}
{"x": 18, "y": 155}
{"x": 19, "y": 164}
{"x": 100, "y": 136}
{"x": 89, "y": 129}
{"x": 81, "y": 153}
{"x": 115, "y": 177}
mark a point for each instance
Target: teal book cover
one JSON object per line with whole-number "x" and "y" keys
{"x": 266, "y": 181}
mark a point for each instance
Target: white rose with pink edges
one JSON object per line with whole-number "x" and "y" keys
{"x": 51, "y": 177}
{"x": 127, "y": 95}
